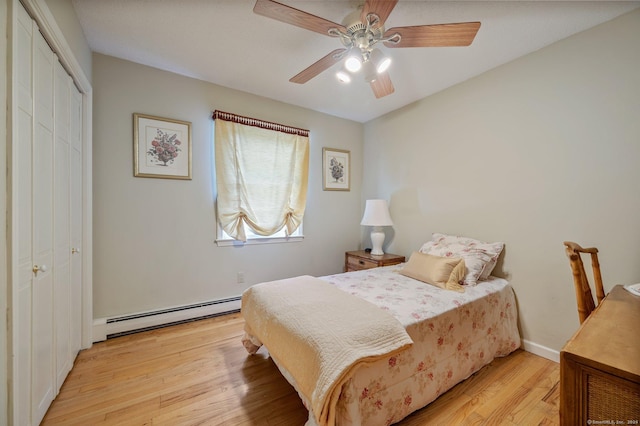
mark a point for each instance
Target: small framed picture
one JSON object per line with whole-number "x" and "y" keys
{"x": 161, "y": 147}
{"x": 336, "y": 169}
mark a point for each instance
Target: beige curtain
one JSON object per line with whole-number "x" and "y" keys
{"x": 262, "y": 171}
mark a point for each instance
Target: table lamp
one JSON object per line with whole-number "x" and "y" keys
{"x": 376, "y": 214}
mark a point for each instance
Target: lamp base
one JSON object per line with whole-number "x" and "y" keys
{"x": 377, "y": 239}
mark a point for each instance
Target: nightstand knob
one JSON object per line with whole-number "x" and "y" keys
{"x": 361, "y": 262}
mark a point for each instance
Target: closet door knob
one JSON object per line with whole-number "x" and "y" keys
{"x": 75, "y": 250}
{"x": 41, "y": 268}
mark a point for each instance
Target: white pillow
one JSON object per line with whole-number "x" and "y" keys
{"x": 480, "y": 257}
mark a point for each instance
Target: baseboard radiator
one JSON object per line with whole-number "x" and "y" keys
{"x": 107, "y": 328}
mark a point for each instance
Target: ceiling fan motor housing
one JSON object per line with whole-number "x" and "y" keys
{"x": 353, "y": 23}
{"x": 360, "y": 34}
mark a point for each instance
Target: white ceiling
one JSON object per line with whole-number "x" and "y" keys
{"x": 224, "y": 42}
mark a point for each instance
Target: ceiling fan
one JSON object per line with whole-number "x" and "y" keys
{"x": 360, "y": 32}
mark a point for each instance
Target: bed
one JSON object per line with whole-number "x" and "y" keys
{"x": 453, "y": 334}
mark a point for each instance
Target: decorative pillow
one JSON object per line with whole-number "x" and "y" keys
{"x": 443, "y": 272}
{"x": 480, "y": 257}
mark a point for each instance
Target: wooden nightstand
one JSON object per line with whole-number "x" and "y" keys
{"x": 358, "y": 260}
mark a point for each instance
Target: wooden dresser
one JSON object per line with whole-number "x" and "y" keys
{"x": 357, "y": 260}
{"x": 600, "y": 365}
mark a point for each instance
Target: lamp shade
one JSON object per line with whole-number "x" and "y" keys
{"x": 370, "y": 74}
{"x": 353, "y": 62}
{"x": 380, "y": 61}
{"x": 343, "y": 76}
{"x": 376, "y": 213}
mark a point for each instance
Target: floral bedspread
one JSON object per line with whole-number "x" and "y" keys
{"x": 455, "y": 334}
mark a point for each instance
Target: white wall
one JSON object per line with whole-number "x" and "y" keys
{"x": 154, "y": 238}
{"x": 538, "y": 151}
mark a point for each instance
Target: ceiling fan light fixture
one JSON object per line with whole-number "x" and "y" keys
{"x": 343, "y": 77}
{"x": 353, "y": 63}
{"x": 370, "y": 73}
{"x": 380, "y": 61}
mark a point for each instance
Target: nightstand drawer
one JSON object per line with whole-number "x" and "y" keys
{"x": 356, "y": 263}
{"x": 358, "y": 260}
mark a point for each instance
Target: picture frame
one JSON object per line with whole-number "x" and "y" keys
{"x": 161, "y": 147}
{"x": 336, "y": 169}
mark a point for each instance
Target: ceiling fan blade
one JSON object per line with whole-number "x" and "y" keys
{"x": 382, "y": 86}
{"x": 317, "y": 67}
{"x": 382, "y": 8}
{"x": 439, "y": 35}
{"x": 289, "y": 15}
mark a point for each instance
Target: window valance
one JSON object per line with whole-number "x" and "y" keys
{"x": 248, "y": 121}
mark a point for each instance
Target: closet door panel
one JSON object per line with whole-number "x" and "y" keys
{"x": 22, "y": 218}
{"x": 61, "y": 228}
{"x": 24, "y": 61}
{"x": 76, "y": 219}
{"x": 24, "y": 134}
{"x": 22, "y": 294}
{"x": 42, "y": 385}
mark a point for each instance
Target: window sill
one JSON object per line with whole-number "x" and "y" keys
{"x": 254, "y": 241}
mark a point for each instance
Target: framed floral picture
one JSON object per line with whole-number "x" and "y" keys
{"x": 161, "y": 147}
{"x": 336, "y": 169}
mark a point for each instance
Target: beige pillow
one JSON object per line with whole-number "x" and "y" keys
{"x": 443, "y": 272}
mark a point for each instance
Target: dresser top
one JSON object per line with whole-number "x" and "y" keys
{"x": 609, "y": 339}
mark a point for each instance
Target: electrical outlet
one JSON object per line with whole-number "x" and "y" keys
{"x": 240, "y": 277}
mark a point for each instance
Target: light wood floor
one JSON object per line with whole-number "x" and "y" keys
{"x": 199, "y": 374}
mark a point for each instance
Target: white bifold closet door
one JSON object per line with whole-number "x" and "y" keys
{"x": 46, "y": 223}
{"x": 42, "y": 289}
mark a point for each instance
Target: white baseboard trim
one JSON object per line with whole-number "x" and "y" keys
{"x": 105, "y": 328}
{"x": 540, "y": 350}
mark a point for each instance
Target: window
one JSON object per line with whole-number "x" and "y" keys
{"x": 261, "y": 178}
